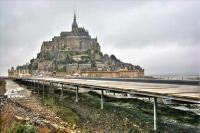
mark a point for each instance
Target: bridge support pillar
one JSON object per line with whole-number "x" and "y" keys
{"x": 61, "y": 91}
{"x": 49, "y": 87}
{"x": 43, "y": 90}
{"x": 102, "y": 99}
{"x": 52, "y": 88}
{"x": 38, "y": 87}
{"x": 77, "y": 88}
{"x": 155, "y": 113}
{"x": 34, "y": 87}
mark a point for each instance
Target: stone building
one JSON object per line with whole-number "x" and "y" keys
{"x": 78, "y": 39}
{"x": 71, "y": 68}
{"x": 19, "y": 72}
{"x": 76, "y": 68}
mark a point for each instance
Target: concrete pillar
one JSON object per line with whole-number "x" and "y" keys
{"x": 62, "y": 90}
{"x": 49, "y": 87}
{"x": 155, "y": 113}
{"x": 77, "y": 94}
{"x": 29, "y": 83}
{"x": 38, "y": 87}
{"x": 102, "y": 99}
{"x": 52, "y": 88}
{"x": 43, "y": 90}
{"x": 34, "y": 86}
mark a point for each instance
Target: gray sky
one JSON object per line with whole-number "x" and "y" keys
{"x": 161, "y": 36}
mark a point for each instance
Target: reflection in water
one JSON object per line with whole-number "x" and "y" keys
{"x": 14, "y": 90}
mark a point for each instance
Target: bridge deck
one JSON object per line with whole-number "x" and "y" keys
{"x": 188, "y": 93}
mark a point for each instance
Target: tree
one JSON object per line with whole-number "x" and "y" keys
{"x": 113, "y": 57}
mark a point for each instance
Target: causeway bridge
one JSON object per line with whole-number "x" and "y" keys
{"x": 181, "y": 91}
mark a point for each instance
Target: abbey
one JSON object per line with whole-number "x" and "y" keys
{"x": 76, "y": 52}
{"x": 78, "y": 39}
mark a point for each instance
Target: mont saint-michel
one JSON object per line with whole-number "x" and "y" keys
{"x": 91, "y": 66}
{"x": 76, "y": 53}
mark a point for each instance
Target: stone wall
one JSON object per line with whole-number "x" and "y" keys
{"x": 114, "y": 74}
{"x": 18, "y": 72}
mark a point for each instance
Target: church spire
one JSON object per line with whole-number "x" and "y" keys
{"x": 74, "y": 15}
{"x": 74, "y": 24}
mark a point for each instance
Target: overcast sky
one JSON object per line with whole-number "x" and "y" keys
{"x": 161, "y": 36}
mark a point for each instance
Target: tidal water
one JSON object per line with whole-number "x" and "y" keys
{"x": 14, "y": 90}
{"x": 178, "y": 76}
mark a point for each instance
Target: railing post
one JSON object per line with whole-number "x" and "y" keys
{"x": 154, "y": 112}
{"x": 77, "y": 94}
{"x": 102, "y": 99}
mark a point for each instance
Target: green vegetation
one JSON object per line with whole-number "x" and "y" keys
{"x": 60, "y": 70}
{"x": 48, "y": 101}
{"x": 68, "y": 115}
{"x": 140, "y": 113}
{"x": 20, "y": 128}
{"x": 1, "y": 121}
{"x": 71, "y": 53}
{"x": 47, "y": 56}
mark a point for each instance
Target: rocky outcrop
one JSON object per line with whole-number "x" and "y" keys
{"x": 29, "y": 111}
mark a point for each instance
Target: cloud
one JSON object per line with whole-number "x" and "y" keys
{"x": 155, "y": 24}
